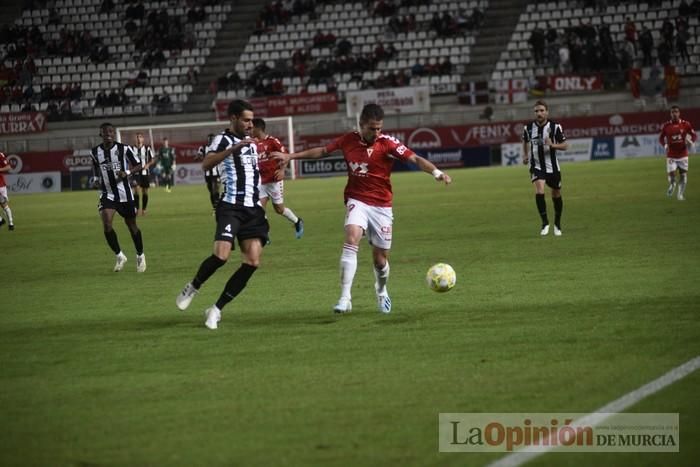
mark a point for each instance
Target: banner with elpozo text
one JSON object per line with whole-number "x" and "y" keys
{"x": 409, "y": 100}
{"x": 35, "y": 182}
{"x": 189, "y": 174}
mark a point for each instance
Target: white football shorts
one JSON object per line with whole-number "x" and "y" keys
{"x": 376, "y": 221}
{"x": 673, "y": 164}
{"x": 274, "y": 191}
{"x": 3, "y": 194}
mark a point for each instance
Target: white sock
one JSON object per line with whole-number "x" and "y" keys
{"x": 682, "y": 183}
{"x": 381, "y": 276}
{"x": 348, "y": 266}
{"x": 290, "y": 215}
{"x": 8, "y": 213}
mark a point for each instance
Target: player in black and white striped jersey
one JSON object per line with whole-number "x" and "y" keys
{"x": 142, "y": 178}
{"x": 542, "y": 139}
{"x": 113, "y": 162}
{"x": 239, "y": 214}
{"x": 211, "y": 176}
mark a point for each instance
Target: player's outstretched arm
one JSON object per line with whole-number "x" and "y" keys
{"x": 313, "y": 153}
{"x": 426, "y": 166}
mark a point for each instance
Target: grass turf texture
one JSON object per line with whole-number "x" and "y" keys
{"x": 100, "y": 368}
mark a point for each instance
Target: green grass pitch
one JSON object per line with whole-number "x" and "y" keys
{"x": 101, "y": 369}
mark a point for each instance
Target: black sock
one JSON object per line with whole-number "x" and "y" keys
{"x": 145, "y": 201}
{"x": 137, "y": 200}
{"x": 542, "y": 208}
{"x": 558, "y": 208}
{"x": 112, "y": 241}
{"x": 206, "y": 269}
{"x": 138, "y": 241}
{"x": 235, "y": 284}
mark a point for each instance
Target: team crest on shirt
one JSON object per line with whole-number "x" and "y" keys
{"x": 369, "y": 152}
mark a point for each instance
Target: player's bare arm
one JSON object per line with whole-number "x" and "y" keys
{"x": 526, "y": 153}
{"x": 426, "y": 166}
{"x": 214, "y": 158}
{"x": 313, "y": 153}
{"x": 7, "y": 168}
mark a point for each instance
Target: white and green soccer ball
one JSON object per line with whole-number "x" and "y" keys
{"x": 441, "y": 277}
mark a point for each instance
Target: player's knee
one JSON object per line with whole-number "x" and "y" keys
{"x": 279, "y": 208}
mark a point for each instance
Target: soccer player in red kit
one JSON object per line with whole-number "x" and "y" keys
{"x": 272, "y": 177}
{"x": 369, "y": 156}
{"x": 676, "y": 135}
{"x": 5, "y": 167}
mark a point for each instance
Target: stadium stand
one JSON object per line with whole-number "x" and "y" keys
{"x": 87, "y": 58}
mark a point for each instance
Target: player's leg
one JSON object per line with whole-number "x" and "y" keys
{"x": 355, "y": 225}
{"x": 137, "y": 198}
{"x": 144, "y": 197}
{"x": 251, "y": 250}
{"x": 213, "y": 188}
{"x": 539, "y": 183}
{"x": 227, "y": 224}
{"x": 558, "y": 202}
{"x": 671, "y": 167}
{"x": 129, "y": 214}
{"x": 683, "y": 175}
{"x": 107, "y": 211}
{"x": 5, "y": 204}
{"x": 379, "y": 233}
{"x": 252, "y": 236}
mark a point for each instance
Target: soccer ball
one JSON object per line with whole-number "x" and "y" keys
{"x": 441, "y": 277}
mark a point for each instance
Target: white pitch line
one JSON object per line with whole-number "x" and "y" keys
{"x": 517, "y": 459}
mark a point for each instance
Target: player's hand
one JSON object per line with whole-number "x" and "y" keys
{"x": 526, "y": 159}
{"x": 279, "y": 175}
{"x": 443, "y": 177}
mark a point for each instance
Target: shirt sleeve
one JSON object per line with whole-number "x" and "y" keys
{"x": 219, "y": 144}
{"x": 398, "y": 150}
{"x": 559, "y": 136}
{"x": 692, "y": 133}
{"x": 526, "y": 135}
{"x": 131, "y": 156}
{"x": 335, "y": 145}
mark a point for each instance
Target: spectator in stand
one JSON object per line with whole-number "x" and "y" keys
{"x": 631, "y": 33}
{"x": 646, "y": 43}
{"x": 537, "y": 41}
{"x": 107, "y": 6}
{"x": 682, "y": 38}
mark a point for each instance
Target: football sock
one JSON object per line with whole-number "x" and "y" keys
{"x": 542, "y": 208}
{"x": 681, "y": 185}
{"x": 137, "y": 200}
{"x": 206, "y": 269}
{"x": 558, "y": 208}
{"x": 138, "y": 241}
{"x": 348, "y": 266}
{"x": 235, "y": 284}
{"x": 381, "y": 276}
{"x": 290, "y": 215}
{"x": 8, "y": 214}
{"x": 672, "y": 179}
{"x": 145, "y": 201}
{"x": 112, "y": 241}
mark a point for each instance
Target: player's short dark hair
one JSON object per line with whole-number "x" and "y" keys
{"x": 674, "y": 106}
{"x": 237, "y": 106}
{"x": 105, "y": 125}
{"x": 259, "y": 123}
{"x": 371, "y": 112}
{"x": 542, "y": 103}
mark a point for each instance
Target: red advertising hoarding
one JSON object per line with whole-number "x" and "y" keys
{"x": 22, "y": 122}
{"x": 280, "y": 106}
